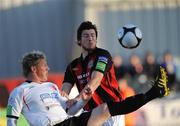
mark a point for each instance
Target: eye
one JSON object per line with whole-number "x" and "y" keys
{"x": 85, "y": 35}
{"x": 89, "y": 35}
{"x": 93, "y": 35}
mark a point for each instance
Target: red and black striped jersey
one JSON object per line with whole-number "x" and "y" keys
{"x": 79, "y": 72}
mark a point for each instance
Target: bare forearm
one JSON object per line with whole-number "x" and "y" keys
{"x": 66, "y": 88}
{"x": 93, "y": 85}
{"x": 94, "y": 82}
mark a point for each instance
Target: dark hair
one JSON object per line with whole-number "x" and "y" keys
{"x": 31, "y": 59}
{"x": 85, "y": 26}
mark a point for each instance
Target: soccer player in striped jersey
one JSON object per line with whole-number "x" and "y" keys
{"x": 94, "y": 67}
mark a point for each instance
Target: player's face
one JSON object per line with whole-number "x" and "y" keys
{"x": 42, "y": 70}
{"x": 88, "y": 39}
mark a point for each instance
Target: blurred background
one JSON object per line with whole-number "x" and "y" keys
{"x": 50, "y": 26}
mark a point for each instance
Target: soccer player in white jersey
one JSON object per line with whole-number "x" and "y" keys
{"x": 42, "y": 104}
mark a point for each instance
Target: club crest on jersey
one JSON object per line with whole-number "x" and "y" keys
{"x": 103, "y": 59}
{"x": 75, "y": 69}
{"x": 53, "y": 88}
{"x": 90, "y": 64}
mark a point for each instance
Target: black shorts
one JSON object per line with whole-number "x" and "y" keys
{"x": 80, "y": 120}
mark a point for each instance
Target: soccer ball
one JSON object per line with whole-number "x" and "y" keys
{"x": 129, "y": 36}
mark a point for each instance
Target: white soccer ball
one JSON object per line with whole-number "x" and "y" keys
{"x": 129, "y": 36}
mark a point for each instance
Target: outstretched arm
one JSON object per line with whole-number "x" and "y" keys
{"x": 94, "y": 83}
{"x": 77, "y": 104}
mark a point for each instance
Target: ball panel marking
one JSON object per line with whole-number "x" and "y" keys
{"x": 129, "y": 36}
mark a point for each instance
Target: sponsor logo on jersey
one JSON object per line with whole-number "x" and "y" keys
{"x": 50, "y": 99}
{"x": 45, "y": 96}
{"x": 83, "y": 75}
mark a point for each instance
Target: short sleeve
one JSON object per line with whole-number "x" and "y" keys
{"x": 68, "y": 76}
{"x": 103, "y": 61}
{"x": 15, "y": 103}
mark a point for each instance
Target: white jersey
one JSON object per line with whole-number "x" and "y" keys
{"x": 115, "y": 121}
{"x": 41, "y": 104}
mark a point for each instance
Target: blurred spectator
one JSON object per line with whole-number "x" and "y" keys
{"x": 126, "y": 90}
{"x": 119, "y": 67}
{"x": 150, "y": 65}
{"x": 177, "y": 63}
{"x": 135, "y": 70}
{"x": 169, "y": 64}
{"x": 135, "y": 66}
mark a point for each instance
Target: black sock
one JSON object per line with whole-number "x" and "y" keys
{"x": 153, "y": 93}
{"x": 128, "y": 105}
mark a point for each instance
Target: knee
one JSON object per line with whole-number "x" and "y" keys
{"x": 99, "y": 115}
{"x": 104, "y": 108}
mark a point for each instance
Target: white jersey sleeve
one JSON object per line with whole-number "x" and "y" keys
{"x": 15, "y": 103}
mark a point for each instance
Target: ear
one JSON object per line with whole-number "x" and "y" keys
{"x": 33, "y": 69}
{"x": 79, "y": 43}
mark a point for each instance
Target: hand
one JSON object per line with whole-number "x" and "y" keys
{"x": 87, "y": 93}
{"x": 64, "y": 94}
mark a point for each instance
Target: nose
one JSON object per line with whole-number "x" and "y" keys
{"x": 90, "y": 37}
